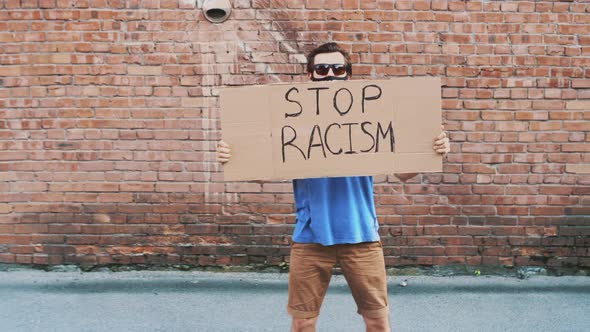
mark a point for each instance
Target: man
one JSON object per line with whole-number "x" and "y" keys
{"x": 336, "y": 223}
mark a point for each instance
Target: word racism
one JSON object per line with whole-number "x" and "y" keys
{"x": 370, "y": 134}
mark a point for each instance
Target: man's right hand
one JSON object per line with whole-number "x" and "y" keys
{"x": 223, "y": 152}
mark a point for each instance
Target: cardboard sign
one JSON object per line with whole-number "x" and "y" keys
{"x": 328, "y": 129}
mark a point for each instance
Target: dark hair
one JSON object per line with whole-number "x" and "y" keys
{"x": 328, "y": 48}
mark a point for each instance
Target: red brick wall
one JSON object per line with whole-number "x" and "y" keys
{"x": 109, "y": 118}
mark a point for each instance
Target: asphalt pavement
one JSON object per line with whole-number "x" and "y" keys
{"x": 34, "y": 300}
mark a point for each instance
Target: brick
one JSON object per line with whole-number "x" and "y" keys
{"x": 497, "y": 115}
{"x": 547, "y": 105}
{"x": 578, "y": 105}
{"x": 243, "y": 187}
{"x": 576, "y": 126}
{"x": 512, "y": 126}
{"x": 144, "y": 70}
{"x": 576, "y": 147}
{"x": 578, "y": 168}
{"x": 536, "y": 115}
{"x": 581, "y": 83}
{"x": 479, "y": 104}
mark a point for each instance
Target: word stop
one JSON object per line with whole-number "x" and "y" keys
{"x": 334, "y": 138}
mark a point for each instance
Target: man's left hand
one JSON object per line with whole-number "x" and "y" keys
{"x": 441, "y": 144}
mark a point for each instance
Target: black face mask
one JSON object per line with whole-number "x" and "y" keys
{"x": 329, "y": 78}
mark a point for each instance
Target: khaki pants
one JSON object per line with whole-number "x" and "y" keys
{"x": 310, "y": 270}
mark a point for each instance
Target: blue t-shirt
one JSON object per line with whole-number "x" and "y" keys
{"x": 335, "y": 210}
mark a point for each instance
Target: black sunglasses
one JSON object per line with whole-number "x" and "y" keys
{"x": 323, "y": 69}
